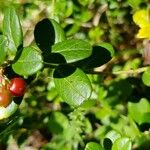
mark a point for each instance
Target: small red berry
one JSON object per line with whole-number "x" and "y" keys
{"x": 17, "y": 86}
{"x": 5, "y": 97}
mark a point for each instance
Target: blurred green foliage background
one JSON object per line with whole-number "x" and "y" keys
{"x": 120, "y": 103}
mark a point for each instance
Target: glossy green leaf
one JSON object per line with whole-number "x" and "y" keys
{"x": 3, "y": 49}
{"x": 109, "y": 47}
{"x": 93, "y": 146}
{"x": 146, "y": 77}
{"x": 29, "y": 62}
{"x": 12, "y": 30}
{"x": 140, "y": 111}
{"x": 46, "y": 33}
{"x": 59, "y": 33}
{"x": 113, "y": 135}
{"x": 100, "y": 55}
{"x": 73, "y": 50}
{"x": 122, "y": 144}
{"x": 72, "y": 84}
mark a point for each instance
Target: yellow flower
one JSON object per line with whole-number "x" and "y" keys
{"x": 142, "y": 19}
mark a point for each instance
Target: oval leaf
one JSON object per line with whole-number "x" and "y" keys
{"x": 73, "y": 50}
{"x": 12, "y": 30}
{"x": 100, "y": 55}
{"x": 3, "y": 49}
{"x": 122, "y": 144}
{"x": 46, "y": 33}
{"x": 72, "y": 84}
{"x": 29, "y": 62}
{"x": 59, "y": 32}
{"x": 93, "y": 146}
{"x": 108, "y": 47}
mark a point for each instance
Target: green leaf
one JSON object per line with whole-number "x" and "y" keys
{"x": 113, "y": 135}
{"x": 3, "y": 49}
{"x": 85, "y": 15}
{"x": 109, "y": 47}
{"x": 12, "y": 30}
{"x": 72, "y": 84}
{"x": 65, "y": 9}
{"x": 46, "y": 33}
{"x": 145, "y": 118}
{"x": 73, "y": 50}
{"x": 93, "y": 146}
{"x": 88, "y": 104}
{"x": 100, "y": 55}
{"x": 146, "y": 77}
{"x": 59, "y": 33}
{"x": 140, "y": 111}
{"x": 29, "y": 62}
{"x": 122, "y": 144}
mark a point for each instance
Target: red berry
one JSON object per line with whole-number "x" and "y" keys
{"x": 17, "y": 86}
{"x": 5, "y": 98}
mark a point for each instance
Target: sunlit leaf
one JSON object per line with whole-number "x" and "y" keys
{"x": 122, "y": 143}
{"x": 12, "y": 30}
{"x": 72, "y": 84}
{"x": 3, "y": 48}
{"x": 93, "y": 146}
{"x": 29, "y": 62}
{"x": 113, "y": 135}
{"x": 140, "y": 111}
{"x": 73, "y": 50}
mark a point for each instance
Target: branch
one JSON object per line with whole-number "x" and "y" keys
{"x": 130, "y": 72}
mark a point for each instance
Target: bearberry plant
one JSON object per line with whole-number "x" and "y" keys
{"x": 71, "y": 88}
